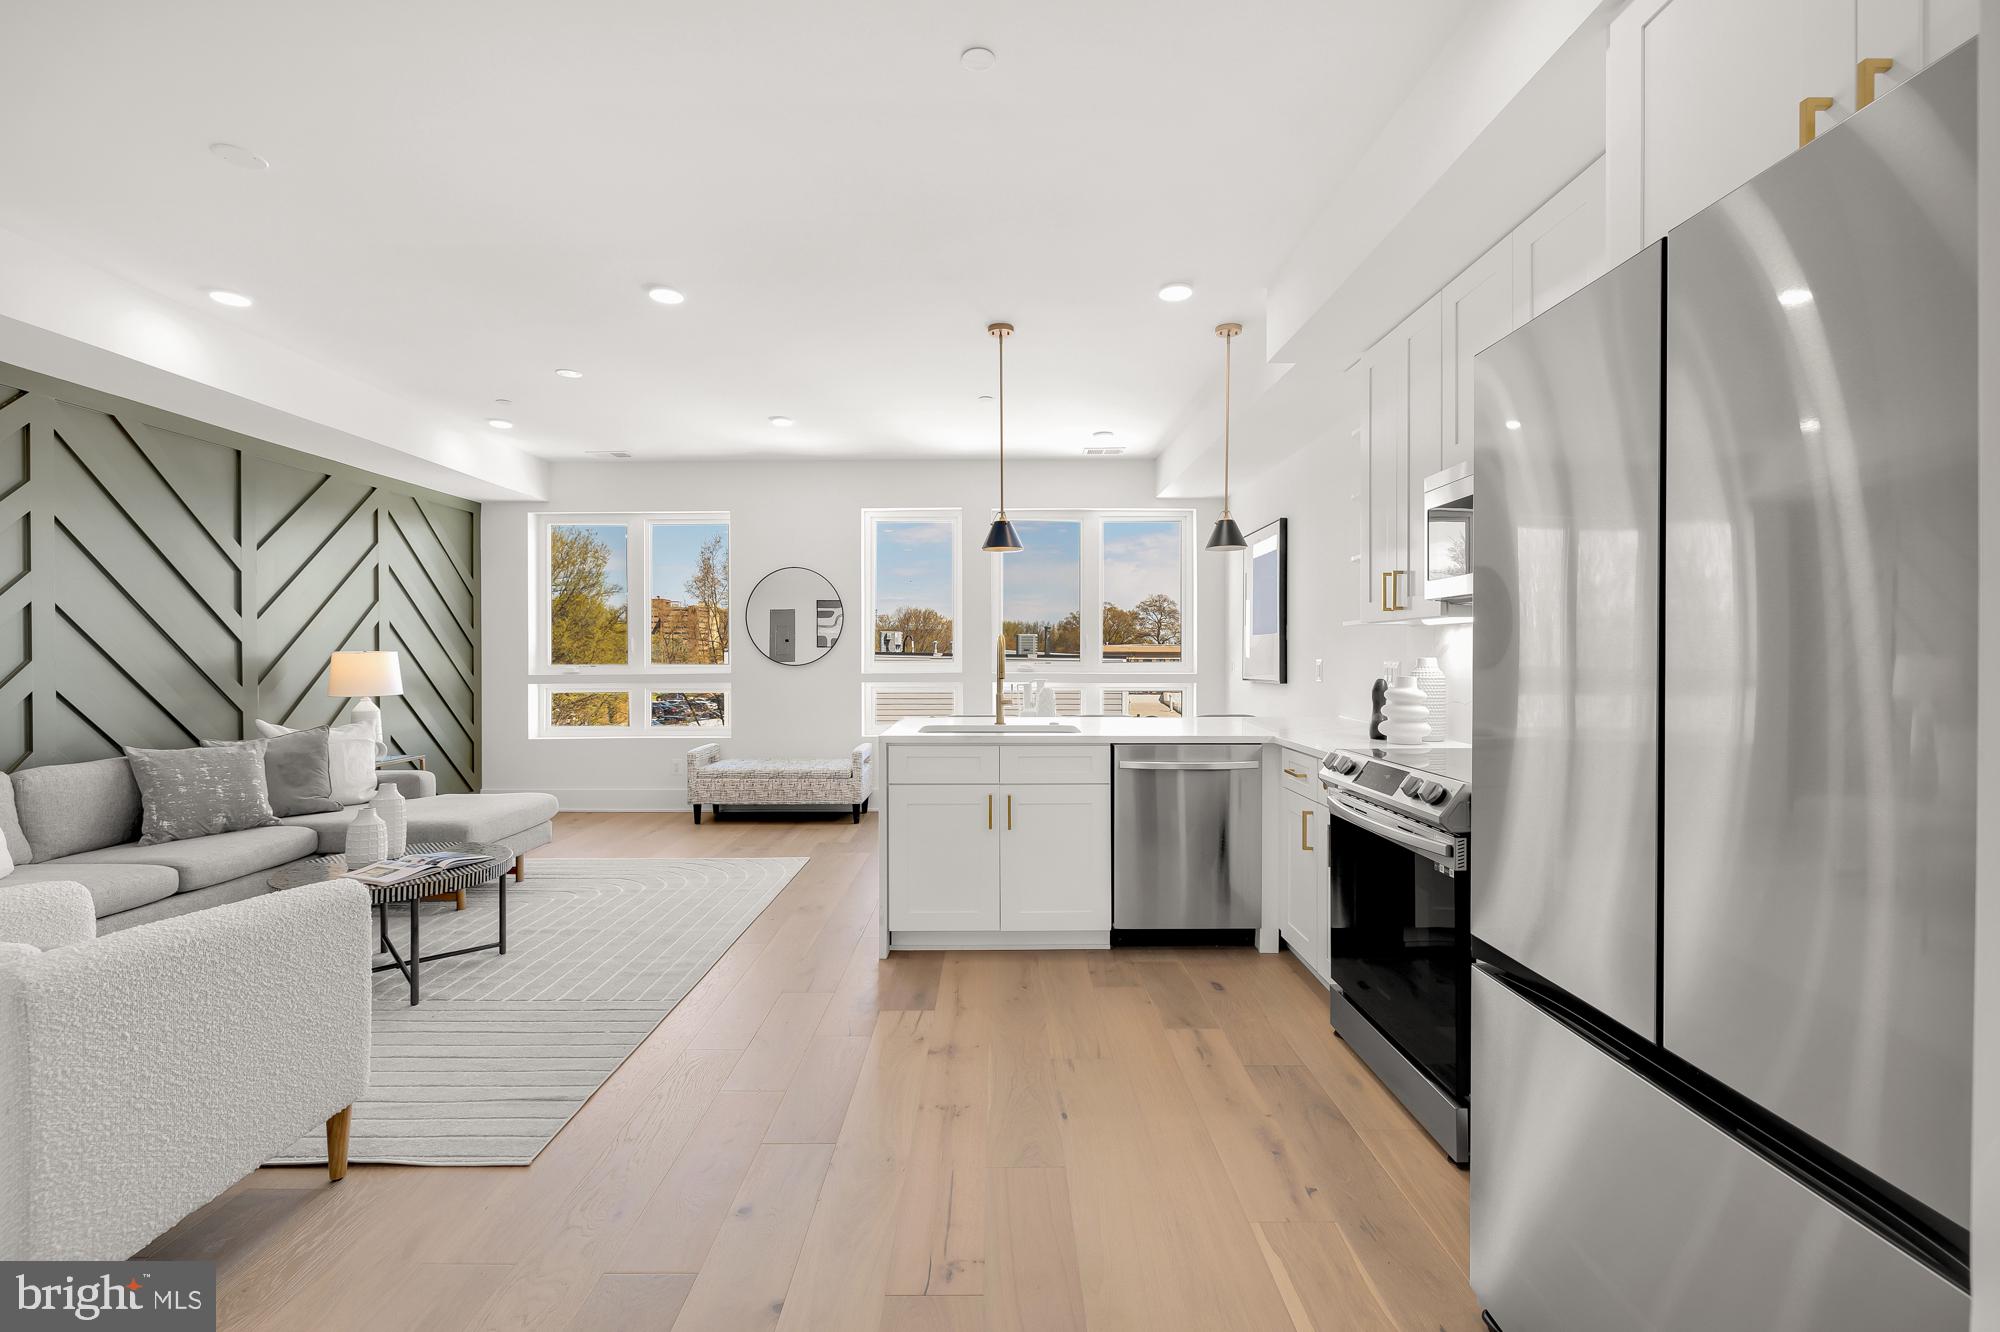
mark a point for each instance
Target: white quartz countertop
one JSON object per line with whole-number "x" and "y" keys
{"x": 1315, "y": 736}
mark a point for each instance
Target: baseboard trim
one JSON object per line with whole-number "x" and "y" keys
{"x": 987, "y": 940}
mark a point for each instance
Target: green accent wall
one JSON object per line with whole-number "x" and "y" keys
{"x": 163, "y": 582}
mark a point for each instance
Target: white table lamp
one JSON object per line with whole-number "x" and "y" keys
{"x": 365, "y": 677}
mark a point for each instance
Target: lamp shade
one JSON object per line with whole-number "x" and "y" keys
{"x": 1226, "y": 536}
{"x": 364, "y": 674}
{"x": 1001, "y": 538}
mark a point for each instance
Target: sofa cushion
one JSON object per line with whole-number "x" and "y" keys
{"x": 185, "y": 794}
{"x": 296, "y": 776}
{"x": 10, "y": 824}
{"x": 486, "y": 817}
{"x": 201, "y": 861}
{"x": 112, "y": 888}
{"x": 329, "y": 828}
{"x": 70, "y": 807}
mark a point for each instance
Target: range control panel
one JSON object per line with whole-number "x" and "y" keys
{"x": 1443, "y": 802}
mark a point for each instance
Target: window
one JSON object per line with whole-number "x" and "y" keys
{"x": 885, "y": 704}
{"x": 635, "y": 592}
{"x": 1132, "y": 568}
{"x": 1041, "y": 602}
{"x": 588, "y": 594}
{"x": 687, "y": 613}
{"x": 1068, "y": 698}
{"x": 912, "y": 585}
{"x": 1142, "y": 565}
{"x": 1148, "y": 701}
{"x": 633, "y": 710}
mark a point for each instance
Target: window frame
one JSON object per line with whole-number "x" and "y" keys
{"x": 638, "y": 527}
{"x": 874, "y": 665}
{"x": 638, "y": 710}
{"x": 1091, "y": 662}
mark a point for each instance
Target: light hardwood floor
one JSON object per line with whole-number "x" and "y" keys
{"x": 815, "y": 1139}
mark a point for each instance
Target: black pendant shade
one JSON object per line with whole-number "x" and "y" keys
{"x": 1001, "y": 538}
{"x": 1226, "y": 536}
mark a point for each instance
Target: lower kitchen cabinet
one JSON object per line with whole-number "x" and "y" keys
{"x": 944, "y": 853}
{"x": 1307, "y": 929}
{"x": 1034, "y": 857}
{"x": 1055, "y": 858}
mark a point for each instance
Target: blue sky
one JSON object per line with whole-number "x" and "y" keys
{"x": 1044, "y": 579}
{"x": 675, "y": 546}
{"x": 1141, "y": 558}
{"x": 612, "y": 536}
{"x": 913, "y": 566}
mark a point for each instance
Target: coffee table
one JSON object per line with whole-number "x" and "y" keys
{"x": 414, "y": 890}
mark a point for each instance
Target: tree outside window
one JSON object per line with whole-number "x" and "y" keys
{"x": 688, "y": 620}
{"x": 587, "y": 595}
{"x": 915, "y": 589}
{"x": 1142, "y": 576}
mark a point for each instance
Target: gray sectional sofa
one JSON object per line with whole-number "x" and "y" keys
{"x": 79, "y": 822}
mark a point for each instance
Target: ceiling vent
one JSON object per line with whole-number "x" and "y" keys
{"x": 611, "y": 454}
{"x": 1103, "y": 450}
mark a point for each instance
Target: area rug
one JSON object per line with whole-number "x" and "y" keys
{"x": 503, "y": 1050}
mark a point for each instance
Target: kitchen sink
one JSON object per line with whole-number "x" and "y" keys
{"x": 995, "y": 728}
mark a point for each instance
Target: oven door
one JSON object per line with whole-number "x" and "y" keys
{"x": 1448, "y": 535}
{"x": 1401, "y": 957}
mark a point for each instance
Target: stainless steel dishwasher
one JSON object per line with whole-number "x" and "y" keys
{"x": 1186, "y": 837}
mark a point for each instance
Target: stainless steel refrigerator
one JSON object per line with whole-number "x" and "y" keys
{"x": 1723, "y": 705}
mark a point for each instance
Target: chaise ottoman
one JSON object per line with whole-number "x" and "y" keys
{"x": 714, "y": 780}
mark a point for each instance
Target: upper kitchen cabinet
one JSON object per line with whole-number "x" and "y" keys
{"x": 1402, "y": 441}
{"x": 1701, "y": 95}
{"x": 1476, "y": 310}
{"x": 1557, "y": 252}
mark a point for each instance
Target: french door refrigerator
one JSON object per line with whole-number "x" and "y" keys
{"x": 1723, "y": 705}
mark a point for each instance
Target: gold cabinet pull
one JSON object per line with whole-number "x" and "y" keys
{"x": 1384, "y": 601}
{"x": 1396, "y": 587}
{"x": 1305, "y": 830}
{"x": 1865, "y": 75}
{"x": 1294, "y": 772}
{"x": 989, "y": 811}
{"x": 1809, "y": 109}
{"x": 1010, "y": 811}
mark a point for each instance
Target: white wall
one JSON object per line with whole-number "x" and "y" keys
{"x": 1311, "y": 489}
{"x": 781, "y": 514}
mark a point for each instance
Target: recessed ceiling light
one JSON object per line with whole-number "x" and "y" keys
{"x": 665, "y": 295}
{"x": 569, "y": 374}
{"x": 238, "y": 156}
{"x": 1513, "y": 425}
{"x": 977, "y": 58}
{"x": 1176, "y": 291}
{"x": 781, "y": 420}
{"x": 235, "y": 300}
{"x": 1793, "y": 297}
{"x": 986, "y": 397}
{"x": 499, "y": 424}
{"x": 1101, "y": 434}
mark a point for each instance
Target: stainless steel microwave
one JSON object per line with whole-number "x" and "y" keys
{"x": 1448, "y": 534}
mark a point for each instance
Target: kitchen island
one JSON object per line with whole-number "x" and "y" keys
{"x": 1000, "y": 837}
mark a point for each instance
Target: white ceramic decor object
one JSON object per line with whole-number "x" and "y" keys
{"x": 1406, "y": 715}
{"x": 367, "y": 838}
{"x": 1430, "y": 679}
{"x": 395, "y": 816}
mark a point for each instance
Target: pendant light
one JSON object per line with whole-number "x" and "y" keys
{"x": 1227, "y": 535}
{"x": 1001, "y": 538}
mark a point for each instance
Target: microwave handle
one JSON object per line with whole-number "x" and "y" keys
{"x": 1439, "y": 852}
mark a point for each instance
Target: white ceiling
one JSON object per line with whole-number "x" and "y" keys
{"x": 464, "y": 197}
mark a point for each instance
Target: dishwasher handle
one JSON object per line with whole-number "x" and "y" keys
{"x": 1166, "y": 765}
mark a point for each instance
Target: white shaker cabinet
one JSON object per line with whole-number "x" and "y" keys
{"x": 1477, "y": 310}
{"x": 1055, "y": 857}
{"x": 1307, "y": 885}
{"x": 1402, "y": 442}
{"x": 1557, "y": 252}
{"x": 944, "y": 851}
{"x": 1702, "y": 95}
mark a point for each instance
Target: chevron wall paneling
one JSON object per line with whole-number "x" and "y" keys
{"x": 162, "y": 583}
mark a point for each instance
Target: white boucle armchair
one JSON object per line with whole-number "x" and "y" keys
{"x": 143, "y": 1073}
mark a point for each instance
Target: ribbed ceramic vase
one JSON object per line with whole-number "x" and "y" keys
{"x": 395, "y": 816}
{"x": 1430, "y": 679}
{"x": 1406, "y": 715}
{"x": 367, "y": 838}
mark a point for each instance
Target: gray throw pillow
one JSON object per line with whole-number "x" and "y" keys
{"x": 296, "y": 773}
{"x": 187, "y": 793}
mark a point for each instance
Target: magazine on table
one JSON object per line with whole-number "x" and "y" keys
{"x": 398, "y": 868}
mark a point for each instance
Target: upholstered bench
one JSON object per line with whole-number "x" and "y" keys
{"x": 714, "y": 780}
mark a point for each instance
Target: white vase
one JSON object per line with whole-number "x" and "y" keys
{"x": 1431, "y": 680}
{"x": 1406, "y": 715}
{"x": 367, "y": 838}
{"x": 395, "y": 816}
